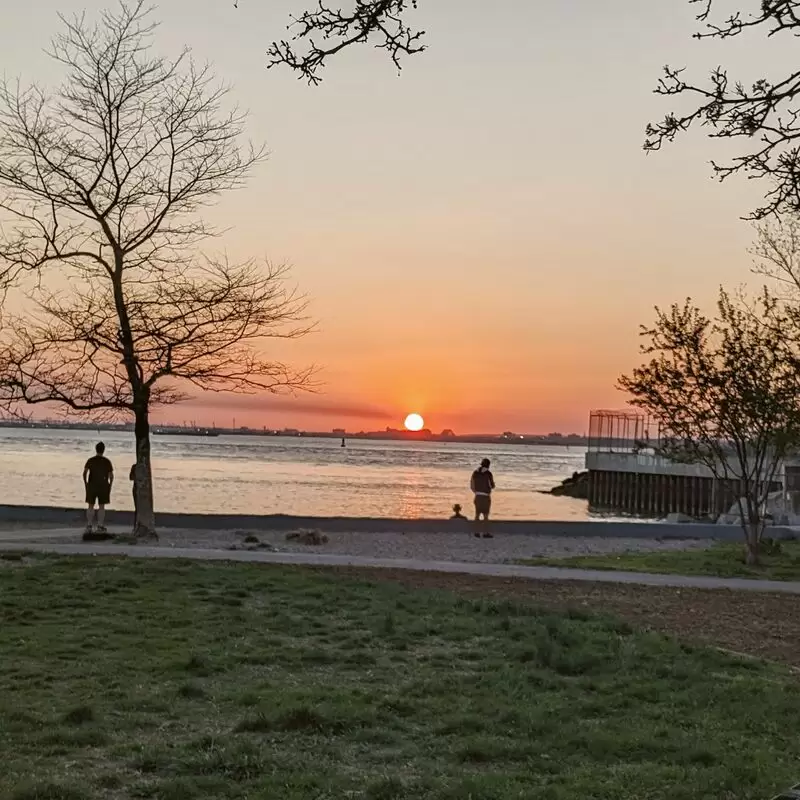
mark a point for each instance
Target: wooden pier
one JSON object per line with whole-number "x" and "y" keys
{"x": 653, "y": 494}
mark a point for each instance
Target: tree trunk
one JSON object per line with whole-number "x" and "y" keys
{"x": 753, "y": 543}
{"x": 145, "y": 511}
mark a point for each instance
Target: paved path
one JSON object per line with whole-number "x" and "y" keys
{"x": 330, "y": 560}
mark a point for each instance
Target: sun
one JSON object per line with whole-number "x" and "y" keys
{"x": 414, "y": 422}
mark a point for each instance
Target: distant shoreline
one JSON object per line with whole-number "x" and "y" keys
{"x": 550, "y": 440}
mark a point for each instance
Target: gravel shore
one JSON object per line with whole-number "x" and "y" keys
{"x": 431, "y": 547}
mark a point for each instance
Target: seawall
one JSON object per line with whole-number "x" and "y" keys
{"x": 75, "y": 517}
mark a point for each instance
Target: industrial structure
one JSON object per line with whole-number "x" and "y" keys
{"x": 626, "y": 473}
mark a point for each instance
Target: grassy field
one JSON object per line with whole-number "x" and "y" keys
{"x": 137, "y": 679}
{"x": 722, "y": 560}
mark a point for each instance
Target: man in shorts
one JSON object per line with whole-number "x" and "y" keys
{"x": 482, "y": 485}
{"x": 98, "y": 478}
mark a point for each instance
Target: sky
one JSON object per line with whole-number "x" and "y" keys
{"x": 480, "y": 235}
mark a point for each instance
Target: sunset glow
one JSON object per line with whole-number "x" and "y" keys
{"x": 414, "y": 422}
{"x": 506, "y": 296}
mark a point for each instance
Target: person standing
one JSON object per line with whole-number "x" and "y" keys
{"x": 482, "y": 486}
{"x": 98, "y": 478}
{"x": 132, "y": 477}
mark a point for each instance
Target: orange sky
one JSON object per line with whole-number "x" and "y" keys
{"x": 481, "y": 236}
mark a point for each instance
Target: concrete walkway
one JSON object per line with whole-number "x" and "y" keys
{"x": 329, "y": 560}
{"x": 630, "y": 529}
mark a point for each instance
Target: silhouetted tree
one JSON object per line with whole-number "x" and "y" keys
{"x": 326, "y": 30}
{"x": 763, "y": 115}
{"x": 100, "y": 187}
{"x": 725, "y": 393}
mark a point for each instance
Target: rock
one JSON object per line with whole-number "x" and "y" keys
{"x": 253, "y": 547}
{"x": 313, "y": 538}
{"x": 577, "y": 486}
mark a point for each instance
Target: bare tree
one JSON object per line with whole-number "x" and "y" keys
{"x": 764, "y": 115}
{"x": 101, "y": 185}
{"x": 726, "y": 394}
{"x": 326, "y": 30}
{"x": 777, "y": 255}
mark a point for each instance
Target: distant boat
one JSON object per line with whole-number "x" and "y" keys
{"x": 185, "y": 432}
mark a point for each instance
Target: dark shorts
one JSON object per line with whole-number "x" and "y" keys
{"x": 98, "y": 494}
{"x": 483, "y": 504}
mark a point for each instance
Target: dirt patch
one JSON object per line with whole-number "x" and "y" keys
{"x": 753, "y": 623}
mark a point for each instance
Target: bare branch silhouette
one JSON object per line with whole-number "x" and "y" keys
{"x": 763, "y": 115}
{"x": 326, "y": 30}
{"x": 101, "y": 185}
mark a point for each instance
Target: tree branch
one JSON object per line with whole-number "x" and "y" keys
{"x": 327, "y": 31}
{"x": 102, "y": 181}
{"x": 764, "y": 115}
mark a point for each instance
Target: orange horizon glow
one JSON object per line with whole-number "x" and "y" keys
{"x": 535, "y": 410}
{"x": 451, "y": 268}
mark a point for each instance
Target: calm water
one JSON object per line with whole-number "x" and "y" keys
{"x": 315, "y": 477}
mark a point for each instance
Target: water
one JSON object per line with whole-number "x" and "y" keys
{"x": 304, "y": 477}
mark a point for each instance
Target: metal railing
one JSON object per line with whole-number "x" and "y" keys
{"x": 621, "y": 432}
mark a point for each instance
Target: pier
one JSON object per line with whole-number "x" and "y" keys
{"x": 657, "y": 489}
{"x": 627, "y": 476}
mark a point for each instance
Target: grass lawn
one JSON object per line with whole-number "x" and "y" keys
{"x": 723, "y": 560}
{"x": 144, "y": 679}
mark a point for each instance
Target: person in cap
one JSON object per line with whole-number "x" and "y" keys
{"x": 482, "y": 486}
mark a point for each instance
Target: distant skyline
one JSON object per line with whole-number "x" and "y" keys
{"x": 239, "y": 412}
{"x": 481, "y": 236}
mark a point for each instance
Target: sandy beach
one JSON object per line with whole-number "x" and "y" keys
{"x": 503, "y": 548}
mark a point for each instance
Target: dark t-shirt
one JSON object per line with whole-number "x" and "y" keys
{"x": 483, "y": 481}
{"x": 100, "y": 471}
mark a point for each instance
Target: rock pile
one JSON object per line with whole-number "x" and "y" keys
{"x": 309, "y": 537}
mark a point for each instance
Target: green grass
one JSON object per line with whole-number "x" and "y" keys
{"x": 720, "y": 560}
{"x": 176, "y": 681}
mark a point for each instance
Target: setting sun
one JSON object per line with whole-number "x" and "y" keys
{"x": 414, "y": 422}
